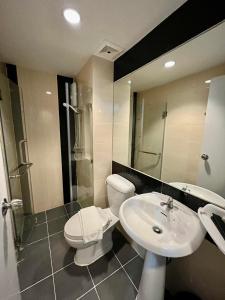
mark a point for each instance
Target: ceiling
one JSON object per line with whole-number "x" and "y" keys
{"x": 35, "y": 35}
{"x": 199, "y": 54}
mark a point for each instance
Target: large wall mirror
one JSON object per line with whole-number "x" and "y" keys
{"x": 169, "y": 117}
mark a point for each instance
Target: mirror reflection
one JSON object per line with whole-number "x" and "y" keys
{"x": 169, "y": 115}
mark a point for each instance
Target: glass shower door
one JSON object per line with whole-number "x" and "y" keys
{"x": 150, "y": 127}
{"x": 18, "y": 165}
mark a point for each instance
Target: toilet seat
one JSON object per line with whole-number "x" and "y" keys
{"x": 72, "y": 229}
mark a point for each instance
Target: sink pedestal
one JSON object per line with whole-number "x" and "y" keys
{"x": 152, "y": 283}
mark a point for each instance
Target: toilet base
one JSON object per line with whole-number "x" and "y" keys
{"x": 88, "y": 255}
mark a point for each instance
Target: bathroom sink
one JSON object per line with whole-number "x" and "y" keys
{"x": 200, "y": 192}
{"x": 173, "y": 233}
{"x": 164, "y": 231}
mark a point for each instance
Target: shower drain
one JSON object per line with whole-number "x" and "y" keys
{"x": 156, "y": 229}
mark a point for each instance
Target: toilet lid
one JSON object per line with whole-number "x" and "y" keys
{"x": 72, "y": 228}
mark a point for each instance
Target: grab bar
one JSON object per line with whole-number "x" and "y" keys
{"x": 149, "y": 152}
{"x": 21, "y": 151}
{"x": 27, "y": 165}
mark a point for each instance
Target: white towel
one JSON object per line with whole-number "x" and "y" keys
{"x": 91, "y": 224}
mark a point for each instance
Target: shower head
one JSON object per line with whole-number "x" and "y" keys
{"x": 67, "y": 105}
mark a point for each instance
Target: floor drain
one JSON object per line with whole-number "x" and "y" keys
{"x": 156, "y": 229}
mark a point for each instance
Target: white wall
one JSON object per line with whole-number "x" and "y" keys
{"x": 212, "y": 171}
{"x": 43, "y": 135}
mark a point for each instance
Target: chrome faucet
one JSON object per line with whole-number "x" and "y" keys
{"x": 169, "y": 203}
{"x": 186, "y": 189}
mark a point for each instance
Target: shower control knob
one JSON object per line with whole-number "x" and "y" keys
{"x": 204, "y": 156}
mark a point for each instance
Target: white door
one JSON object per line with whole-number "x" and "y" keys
{"x": 212, "y": 164}
{"x": 9, "y": 283}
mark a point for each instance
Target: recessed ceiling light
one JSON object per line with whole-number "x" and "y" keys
{"x": 169, "y": 64}
{"x": 48, "y": 92}
{"x": 71, "y": 16}
{"x": 129, "y": 81}
{"x": 208, "y": 81}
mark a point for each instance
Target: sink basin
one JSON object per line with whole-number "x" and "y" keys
{"x": 163, "y": 232}
{"x": 200, "y": 192}
{"x": 181, "y": 231}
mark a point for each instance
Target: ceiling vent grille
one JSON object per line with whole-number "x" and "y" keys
{"x": 109, "y": 51}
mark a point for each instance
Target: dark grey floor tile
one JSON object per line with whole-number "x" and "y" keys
{"x": 117, "y": 286}
{"x": 35, "y": 263}
{"x": 62, "y": 253}
{"x": 39, "y": 218}
{"x": 92, "y": 295}
{"x": 37, "y": 233}
{"x": 72, "y": 208}
{"x": 43, "y": 290}
{"x": 57, "y": 225}
{"x": 72, "y": 282}
{"x": 103, "y": 267}
{"x": 55, "y": 213}
{"x": 134, "y": 269}
{"x": 122, "y": 248}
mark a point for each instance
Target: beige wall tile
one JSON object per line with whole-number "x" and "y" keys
{"x": 97, "y": 74}
{"x": 121, "y": 122}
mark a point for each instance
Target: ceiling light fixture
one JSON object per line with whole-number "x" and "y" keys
{"x": 71, "y": 16}
{"x": 169, "y": 64}
{"x": 207, "y": 81}
{"x": 129, "y": 81}
{"x": 48, "y": 92}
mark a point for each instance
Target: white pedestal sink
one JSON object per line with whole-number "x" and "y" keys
{"x": 163, "y": 233}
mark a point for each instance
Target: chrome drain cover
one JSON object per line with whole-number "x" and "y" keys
{"x": 156, "y": 229}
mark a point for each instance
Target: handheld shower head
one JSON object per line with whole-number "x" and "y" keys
{"x": 67, "y": 105}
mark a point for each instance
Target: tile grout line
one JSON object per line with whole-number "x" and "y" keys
{"x": 37, "y": 241}
{"x": 53, "y": 279}
{"x": 50, "y": 235}
{"x": 54, "y": 219}
{"x": 88, "y": 291}
{"x": 93, "y": 283}
{"x": 125, "y": 272}
{"x": 133, "y": 258}
{"x": 64, "y": 267}
{"x": 30, "y": 286}
{"x": 120, "y": 268}
{"x": 99, "y": 283}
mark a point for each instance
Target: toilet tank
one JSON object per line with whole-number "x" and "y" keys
{"x": 118, "y": 190}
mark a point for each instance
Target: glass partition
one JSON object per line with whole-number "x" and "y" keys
{"x": 18, "y": 164}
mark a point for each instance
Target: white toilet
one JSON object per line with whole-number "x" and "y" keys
{"x": 118, "y": 190}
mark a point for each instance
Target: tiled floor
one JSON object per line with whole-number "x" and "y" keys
{"x": 47, "y": 271}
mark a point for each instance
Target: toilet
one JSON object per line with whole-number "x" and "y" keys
{"x": 118, "y": 190}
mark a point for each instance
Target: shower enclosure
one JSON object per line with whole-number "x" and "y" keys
{"x": 14, "y": 143}
{"x": 78, "y": 106}
{"x": 150, "y": 123}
